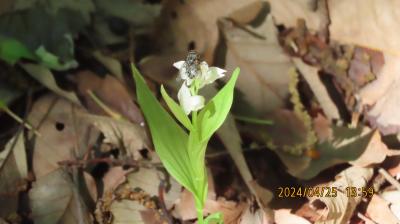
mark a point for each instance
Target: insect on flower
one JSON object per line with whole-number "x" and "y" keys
{"x": 192, "y": 64}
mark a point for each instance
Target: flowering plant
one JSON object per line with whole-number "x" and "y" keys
{"x": 182, "y": 152}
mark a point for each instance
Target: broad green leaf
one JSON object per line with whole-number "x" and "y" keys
{"x": 215, "y": 218}
{"x": 12, "y": 50}
{"x": 169, "y": 139}
{"x": 215, "y": 112}
{"x": 176, "y": 110}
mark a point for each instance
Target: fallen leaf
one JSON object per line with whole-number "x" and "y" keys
{"x": 381, "y": 94}
{"x": 113, "y": 178}
{"x": 356, "y": 22}
{"x": 378, "y": 210}
{"x": 284, "y": 216}
{"x": 287, "y": 13}
{"x": 340, "y": 209}
{"x": 365, "y": 65}
{"x": 264, "y": 66}
{"x": 112, "y": 64}
{"x": 129, "y": 211}
{"x": 45, "y": 77}
{"x": 256, "y": 217}
{"x": 393, "y": 197}
{"x": 130, "y": 138}
{"x": 110, "y": 92}
{"x": 195, "y": 24}
{"x": 13, "y": 171}
{"x": 375, "y": 153}
{"x": 56, "y": 189}
{"x": 64, "y": 133}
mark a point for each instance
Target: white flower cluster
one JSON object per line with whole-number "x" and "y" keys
{"x": 195, "y": 77}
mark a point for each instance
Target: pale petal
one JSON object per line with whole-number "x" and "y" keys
{"x": 212, "y": 74}
{"x": 188, "y": 102}
{"x": 179, "y": 64}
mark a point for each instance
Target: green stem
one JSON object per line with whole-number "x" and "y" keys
{"x": 194, "y": 118}
{"x": 199, "y": 209}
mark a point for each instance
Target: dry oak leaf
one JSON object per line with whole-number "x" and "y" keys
{"x": 13, "y": 171}
{"x": 195, "y": 23}
{"x": 264, "y": 66}
{"x": 65, "y": 134}
{"x": 383, "y": 94}
{"x": 287, "y": 12}
{"x": 340, "y": 209}
{"x": 55, "y": 199}
{"x": 111, "y": 92}
{"x": 375, "y": 152}
{"x": 368, "y": 23}
{"x": 284, "y": 216}
{"x": 378, "y": 210}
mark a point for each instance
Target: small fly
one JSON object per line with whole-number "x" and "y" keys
{"x": 192, "y": 64}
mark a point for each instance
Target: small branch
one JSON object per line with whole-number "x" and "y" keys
{"x": 390, "y": 179}
{"x": 365, "y": 218}
{"x": 110, "y": 161}
{"x": 103, "y": 106}
{"x": 164, "y": 209}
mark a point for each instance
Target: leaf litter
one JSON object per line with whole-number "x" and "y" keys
{"x": 324, "y": 72}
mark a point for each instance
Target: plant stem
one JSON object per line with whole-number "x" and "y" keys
{"x": 200, "y": 218}
{"x": 194, "y": 118}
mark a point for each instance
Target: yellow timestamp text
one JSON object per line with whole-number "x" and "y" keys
{"x": 303, "y": 192}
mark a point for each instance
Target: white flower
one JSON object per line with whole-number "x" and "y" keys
{"x": 201, "y": 75}
{"x": 206, "y": 75}
{"x": 188, "y": 102}
{"x": 209, "y": 74}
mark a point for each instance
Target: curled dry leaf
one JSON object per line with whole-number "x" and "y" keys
{"x": 375, "y": 153}
{"x": 340, "y": 209}
{"x": 195, "y": 23}
{"x": 287, "y": 13}
{"x": 126, "y": 136}
{"x": 45, "y": 77}
{"x": 113, "y": 178}
{"x": 382, "y": 95}
{"x": 378, "y": 210}
{"x": 64, "y": 133}
{"x": 263, "y": 64}
{"x": 13, "y": 170}
{"x": 356, "y": 22}
{"x": 254, "y": 217}
{"x": 284, "y": 216}
{"x": 128, "y": 211}
{"x": 56, "y": 189}
{"x": 111, "y": 92}
{"x": 393, "y": 197}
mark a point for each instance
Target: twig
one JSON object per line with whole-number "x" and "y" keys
{"x": 103, "y": 106}
{"x": 164, "y": 209}
{"x": 365, "y": 218}
{"x": 20, "y": 120}
{"x": 110, "y": 161}
{"x": 389, "y": 178}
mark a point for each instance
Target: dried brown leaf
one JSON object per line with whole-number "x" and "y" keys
{"x": 379, "y": 211}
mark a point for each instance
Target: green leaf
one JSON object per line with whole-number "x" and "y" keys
{"x": 215, "y": 218}
{"x": 31, "y": 27}
{"x": 211, "y": 118}
{"x": 169, "y": 139}
{"x": 176, "y": 110}
{"x": 12, "y": 50}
